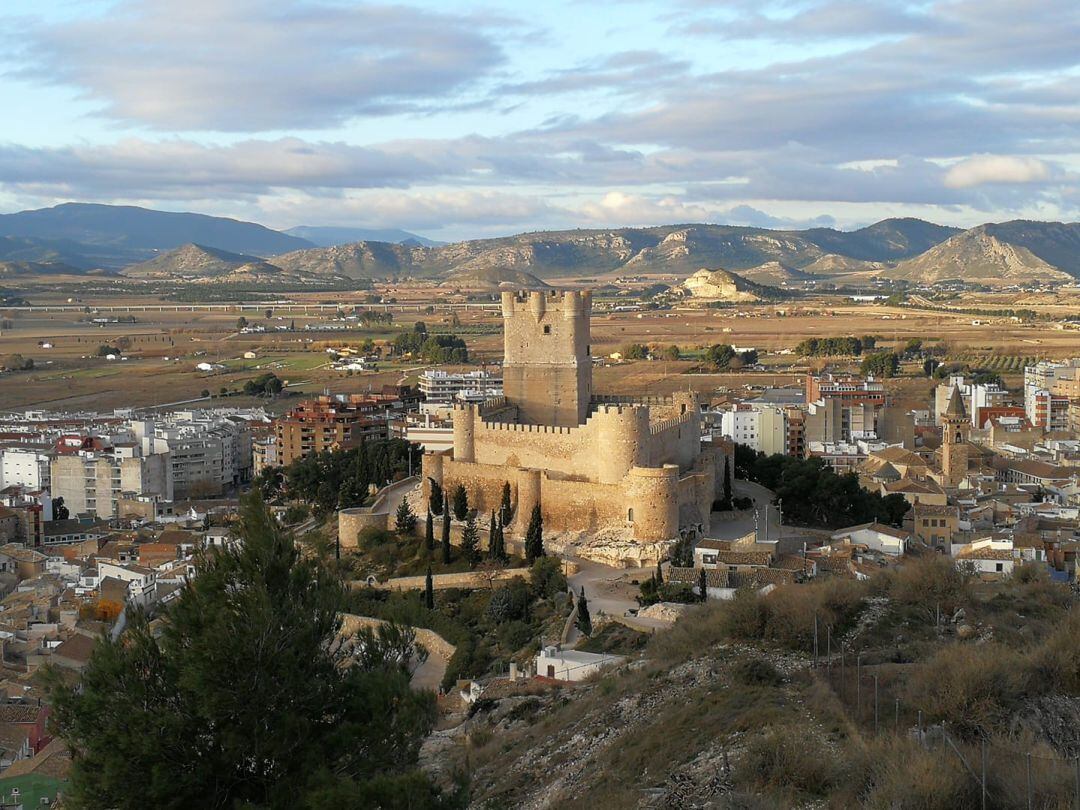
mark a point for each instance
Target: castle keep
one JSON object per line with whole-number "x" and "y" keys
{"x": 591, "y": 462}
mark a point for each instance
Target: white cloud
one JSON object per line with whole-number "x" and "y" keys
{"x": 984, "y": 170}
{"x": 257, "y": 65}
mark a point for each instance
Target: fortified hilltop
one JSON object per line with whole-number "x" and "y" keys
{"x": 591, "y": 462}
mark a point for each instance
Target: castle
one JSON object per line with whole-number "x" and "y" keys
{"x": 591, "y": 462}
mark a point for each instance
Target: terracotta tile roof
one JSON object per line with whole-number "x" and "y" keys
{"x": 986, "y": 554}
{"x": 19, "y": 712}
{"x": 77, "y": 648}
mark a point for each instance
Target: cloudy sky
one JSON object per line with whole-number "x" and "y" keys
{"x": 458, "y": 119}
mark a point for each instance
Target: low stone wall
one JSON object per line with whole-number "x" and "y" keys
{"x": 429, "y": 639}
{"x": 465, "y": 579}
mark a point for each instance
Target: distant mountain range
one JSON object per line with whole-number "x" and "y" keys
{"x": 322, "y": 236}
{"x": 142, "y": 243}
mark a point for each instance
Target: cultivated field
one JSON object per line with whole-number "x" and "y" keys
{"x": 163, "y": 347}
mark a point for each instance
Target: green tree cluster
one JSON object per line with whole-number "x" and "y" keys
{"x": 813, "y": 495}
{"x": 634, "y": 351}
{"x": 339, "y": 478}
{"x": 881, "y": 364}
{"x": 724, "y": 356}
{"x": 833, "y": 347}
{"x": 265, "y": 385}
{"x": 432, "y": 348}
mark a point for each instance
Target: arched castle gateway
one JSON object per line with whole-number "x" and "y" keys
{"x": 591, "y": 462}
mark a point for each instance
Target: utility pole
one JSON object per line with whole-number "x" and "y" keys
{"x": 875, "y": 703}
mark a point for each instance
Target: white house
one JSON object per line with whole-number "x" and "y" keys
{"x": 991, "y": 556}
{"x": 876, "y": 537}
{"x": 142, "y": 582}
{"x": 572, "y": 665}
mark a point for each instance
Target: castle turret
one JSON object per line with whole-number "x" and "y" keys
{"x": 547, "y": 372}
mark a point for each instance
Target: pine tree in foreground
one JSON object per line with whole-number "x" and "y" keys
{"x": 206, "y": 688}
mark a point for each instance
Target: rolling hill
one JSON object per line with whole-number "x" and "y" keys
{"x": 976, "y": 256}
{"x": 774, "y": 274}
{"x": 494, "y": 278}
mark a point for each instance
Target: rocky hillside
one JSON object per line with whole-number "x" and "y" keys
{"x": 723, "y": 285}
{"x": 728, "y": 710}
{"x": 494, "y": 278}
{"x": 86, "y": 237}
{"x": 774, "y": 274}
{"x": 977, "y": 256}
{"x": 193, "y": 262}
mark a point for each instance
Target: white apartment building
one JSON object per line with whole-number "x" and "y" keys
{"x": 24, "y": 467}
{"x": 92, "y": 481}
{"x": 1046, "y": 381}
{"x": 742, "y": 425}
{"x": 210, "y": 451}
{"x": 443, "y": 387}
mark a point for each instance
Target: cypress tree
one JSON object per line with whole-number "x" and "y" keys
{"x": 659, "y": 574}
{"x": 584, "y": 620}
{"x": 436, "y": 498}
{"x": 492, "y": 549}
{"x": 429, "y": 590}
{"x": 534, "y": 536}
{"x": 461, "y": 502}
{"x": 505, "y": 509}
{"x": 703, "y": 585}
{"x": 446, "y": 532}
{"x": 500, "y": 543}
{"x": 470, "y": 540}
{"x": 429, "y": 532}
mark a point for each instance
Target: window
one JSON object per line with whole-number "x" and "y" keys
{"x": 547, "y": 329}
{"x": 999, "y": 567}
{"x": 630, "y": 515}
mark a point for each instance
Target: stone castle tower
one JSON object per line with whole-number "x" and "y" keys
{"x": 547, "y": 372}
{"x": 954, "y": 449}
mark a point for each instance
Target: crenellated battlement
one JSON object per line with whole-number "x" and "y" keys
{"x": 656, "y": 428}
{"x": 516, "y": 427}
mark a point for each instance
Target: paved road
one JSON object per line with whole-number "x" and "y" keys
{"x": 391, "y": 496}
{"x": 725, "y": 528}
{"x": 610, "y": 591}
{"x": 429, "y": 675}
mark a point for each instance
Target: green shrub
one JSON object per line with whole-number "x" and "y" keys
{"x": 783, "y": 758}
{"x": 756, "y": 672}
{"x": 970, "y": 687}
